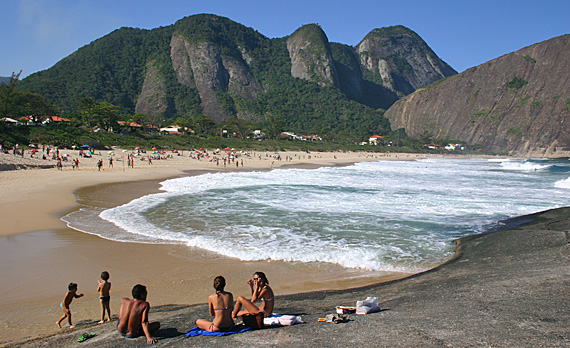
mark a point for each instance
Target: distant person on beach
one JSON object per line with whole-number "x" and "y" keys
{"x": 64, "y": 305}
{"x": 221, "y": 305}
{"x": 133, "y": 316}
{"x": 104, "y": 289}
{"x": 260, "y": 291}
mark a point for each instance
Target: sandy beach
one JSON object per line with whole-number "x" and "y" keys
{"x": 41, "y": 255}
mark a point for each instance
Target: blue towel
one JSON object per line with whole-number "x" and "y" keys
{"x": 197, "y": 331}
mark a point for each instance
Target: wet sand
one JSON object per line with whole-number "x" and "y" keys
{"x": 41, "y": 256}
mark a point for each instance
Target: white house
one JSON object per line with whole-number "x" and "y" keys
{"x": 11, "y": 121}
{"x": 170, "y": 130}
{"x": 375, "y": 139}
{"x": 453, "y": 147}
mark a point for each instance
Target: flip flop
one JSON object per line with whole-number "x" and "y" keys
{"x": 85, "y": 337}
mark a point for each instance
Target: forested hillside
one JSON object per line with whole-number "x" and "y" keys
{"x": 209, "y": 66}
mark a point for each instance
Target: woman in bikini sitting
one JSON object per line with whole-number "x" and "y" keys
{"x": 260, "y": 291}
{"x": 220, "y": 305}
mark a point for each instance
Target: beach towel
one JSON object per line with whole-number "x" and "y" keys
{"x": 199, "y": 332}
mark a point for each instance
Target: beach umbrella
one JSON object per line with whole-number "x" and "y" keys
{"x": 153, "y": 148}
{"x": 137, "y": 148}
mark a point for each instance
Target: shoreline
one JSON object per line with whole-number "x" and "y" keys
{"x": 25, "y": 190}
{"x": 504, "y": 288}
{"x": 76, "y": 256}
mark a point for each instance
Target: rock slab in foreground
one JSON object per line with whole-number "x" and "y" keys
{"x": 504, "y": 289}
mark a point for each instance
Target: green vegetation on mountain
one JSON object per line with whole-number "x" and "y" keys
{"x": 205, "y": 71}
{"x": 516, "y": 83}
{"x": 14, "y": 102}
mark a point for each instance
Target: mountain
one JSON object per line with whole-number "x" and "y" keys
{"x": 210, "y": 65}
{"x": 4, "y": 80}
{"x": 400, "y": 60}
{"x": 518, "y": 103}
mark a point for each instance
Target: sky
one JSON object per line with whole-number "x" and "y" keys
{"x": 36, "y": 34}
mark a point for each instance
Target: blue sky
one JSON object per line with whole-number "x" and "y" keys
{"x": 36, "y": 34}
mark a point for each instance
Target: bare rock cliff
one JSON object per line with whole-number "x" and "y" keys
{"x": 518, "y": 103}
{"x": 311, "y": 57}
{"x": 180, "y": 60}
{"x": 152, "y": 99}
{"x": 202, "y": 65}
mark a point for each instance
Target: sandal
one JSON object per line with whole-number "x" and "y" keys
{"x": 85, "y": 337}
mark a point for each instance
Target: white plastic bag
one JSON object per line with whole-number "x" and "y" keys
{"x": 370, "y": 305}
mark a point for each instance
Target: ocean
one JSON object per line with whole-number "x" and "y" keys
{"x": 399, "y": 216}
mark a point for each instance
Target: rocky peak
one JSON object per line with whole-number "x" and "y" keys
{"x": 211, "y": 53}
{"x": 400, "y": 60}
{"x": 311, "y": 57}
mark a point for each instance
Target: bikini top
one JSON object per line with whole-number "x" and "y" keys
{"x": 263, "y": 299}
{"x": 223, "y": 308}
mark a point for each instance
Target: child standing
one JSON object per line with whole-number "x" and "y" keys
{"x": 104, "y": 288}
{"x": 64, "y": 305}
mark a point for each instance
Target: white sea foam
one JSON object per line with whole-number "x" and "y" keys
{"x": 500, "y": 159}
{"x": 524, "y": 166}
{"x": 565, "y": 184}
{"x": 388, "y": 215}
